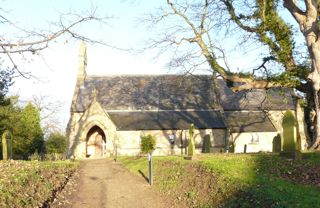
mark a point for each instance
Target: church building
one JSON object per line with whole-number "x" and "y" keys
{"x": 109, "y": 114}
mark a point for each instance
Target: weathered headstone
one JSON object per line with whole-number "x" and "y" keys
{"x": 191, "y": 145}
{"x": 6, "y": 145}
{"x": 289, "y": 135}
{"x": 276, "y": 144}
{"x": 207, "y": 143}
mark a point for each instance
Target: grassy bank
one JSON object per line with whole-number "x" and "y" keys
{"x": 219, "y": 180}
{"x": 32, "y": 183}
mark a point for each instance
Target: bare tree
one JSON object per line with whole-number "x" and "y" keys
{"x": 34, "y": 41}
{"x": 49, "y": 111}
{"x": 23, "y": 42}
{"x": 201, "y": 27}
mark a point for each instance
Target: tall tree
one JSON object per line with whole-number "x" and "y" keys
{"x": 9, "y": 116}
{"x": 49, "y": 110}
{"x": 196, "y": 39}
{"x": 27, "y": 133}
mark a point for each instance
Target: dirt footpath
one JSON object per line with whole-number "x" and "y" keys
{"x": 105, "y": 183}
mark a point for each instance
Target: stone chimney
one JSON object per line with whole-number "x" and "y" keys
{"x": 82, "y": 64}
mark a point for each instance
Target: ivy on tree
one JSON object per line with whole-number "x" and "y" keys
{"x": 259, "y": 22}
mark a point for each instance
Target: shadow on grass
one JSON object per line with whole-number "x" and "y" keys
{"x": 144, "y": 176}
{"x": 239, "y": 180}
{"x": 273, "y": 185}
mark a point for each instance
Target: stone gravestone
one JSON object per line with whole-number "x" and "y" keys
{"x": 191, "y": 145}
{"x": 289, "y": 136}
{"x": 276, "y": 144}
{"x": 6, "y": 145}
{"x": 207, "y": 143}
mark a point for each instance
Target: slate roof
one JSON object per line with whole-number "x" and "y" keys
{"x": 174, "y": 92}
{"x": 166, "y": 120}
{"x": 154, "y": 102}
{"x": 239, "y": 121}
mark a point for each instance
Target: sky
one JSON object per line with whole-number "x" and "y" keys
{"x": 54, "y": 70}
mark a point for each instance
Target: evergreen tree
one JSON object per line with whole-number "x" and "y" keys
{"x": 27, "y": 133}
{"x": 56, "y": 143}
{"x": 9, "y": 116}
{"x": 5, "y": 82}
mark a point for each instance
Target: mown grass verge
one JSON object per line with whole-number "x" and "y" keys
{"x": 230, "y": 180}
{"x": 32, "y": 183}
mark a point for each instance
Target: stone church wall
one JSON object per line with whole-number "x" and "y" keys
{"x": 81, "y": 123}
{"x": 168, "y": 142}
{"x": 249, "y": 142}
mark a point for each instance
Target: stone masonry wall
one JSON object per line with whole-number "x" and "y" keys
{"x": 168, "y": 142}
{"x": 81, "y": 123}
{"x": 253, "y": 142}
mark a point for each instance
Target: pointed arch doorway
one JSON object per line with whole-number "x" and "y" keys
{"x": 95, "y": 143}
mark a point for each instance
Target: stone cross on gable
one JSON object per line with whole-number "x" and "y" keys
{"x": 94, "y": 94}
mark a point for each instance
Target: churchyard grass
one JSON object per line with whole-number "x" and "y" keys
{"x": 235, "y": 180}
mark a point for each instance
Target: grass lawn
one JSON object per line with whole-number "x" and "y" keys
{"x": 32, "y": 183}
{"x": 235, "y": 180}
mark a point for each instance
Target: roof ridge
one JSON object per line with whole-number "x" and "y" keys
{"x": 162, "y": 110}
{"x": 144, "y": 75}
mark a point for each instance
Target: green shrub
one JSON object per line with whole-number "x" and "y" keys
{"x": 207, "y": 143}
{"x": 28, "y": 135}
{"x": 56, "y": 143}
{"x": 148, "y": 143}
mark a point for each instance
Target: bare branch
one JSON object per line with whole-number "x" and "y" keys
{"x": 29, "y": 46}
{"x": 15, "y": 67}
{"x": 204, "y": 16}
{"x": 181, "y": 14}
{"x": 237, "y": 19}
{"x": 295, "y": 11}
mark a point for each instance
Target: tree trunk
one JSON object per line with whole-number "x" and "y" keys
{"x": 311, "y": 32}
{"x": 314, "y": 76}
{"x": 316, "y": 143}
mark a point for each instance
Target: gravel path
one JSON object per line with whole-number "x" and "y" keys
{"x": 104, "y": 183}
